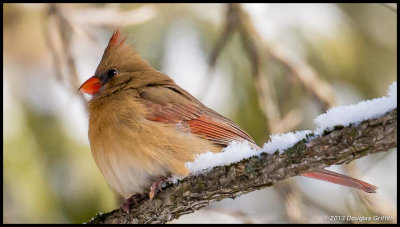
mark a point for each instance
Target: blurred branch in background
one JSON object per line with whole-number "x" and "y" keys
{"x": 59, "y": 36}
{"x": 234, "y": 22}
{"x": 111, "y": 16}
{"x": 320, "y": 89}
{"x": 365, "y": 204}
{"x": 298, "y": 204}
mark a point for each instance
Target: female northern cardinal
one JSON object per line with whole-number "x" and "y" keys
{"x": 143, "y": 126}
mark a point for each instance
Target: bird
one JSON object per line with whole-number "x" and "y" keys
{"x": 143, "y": 127}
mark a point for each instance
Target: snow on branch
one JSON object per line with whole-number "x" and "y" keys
{"x": 343, "y": 134}
{"x": 337, "y": 116}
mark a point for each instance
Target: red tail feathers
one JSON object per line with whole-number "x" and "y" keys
{"x": 340, "y": 179}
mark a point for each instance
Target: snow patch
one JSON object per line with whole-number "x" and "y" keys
{"x": 237, "y": 151}
{"x": 284, "y": 141}
{"x": 356, "y": 113}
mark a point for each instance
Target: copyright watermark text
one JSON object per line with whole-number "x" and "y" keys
{"x": 359, "y": 219}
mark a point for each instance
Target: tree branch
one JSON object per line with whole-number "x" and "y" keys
{"x": 338, "y": 146}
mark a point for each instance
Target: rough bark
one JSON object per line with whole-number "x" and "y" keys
{"x": 337, "y": 146}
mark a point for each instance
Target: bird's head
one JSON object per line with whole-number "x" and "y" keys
{"x": 117, "y": 67}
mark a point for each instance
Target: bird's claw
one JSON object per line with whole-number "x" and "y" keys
{"x": 131, "y": 202}
{"x": 157, "y": 186}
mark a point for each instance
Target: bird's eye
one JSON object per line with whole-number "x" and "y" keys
{"x": 111, "y": 73}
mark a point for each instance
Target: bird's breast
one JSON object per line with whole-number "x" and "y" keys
{"x": 132, "y": 152}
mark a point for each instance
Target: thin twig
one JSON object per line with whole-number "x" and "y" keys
{"x": 60, "y": 25}
{"x": 229, "y": 28}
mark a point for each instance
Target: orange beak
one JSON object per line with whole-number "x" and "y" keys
{"x": 91, "y": 86}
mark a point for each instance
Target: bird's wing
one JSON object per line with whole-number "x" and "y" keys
{"x": 170, "y": 104}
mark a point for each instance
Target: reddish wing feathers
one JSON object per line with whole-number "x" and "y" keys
{"x": 170, "y": 113}
{"x": 199, "y": 119}
{"x": 219, "y": 131}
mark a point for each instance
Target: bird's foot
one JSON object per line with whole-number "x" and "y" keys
{"x": 132, "y": 201}
{"x": 158, "y": 186}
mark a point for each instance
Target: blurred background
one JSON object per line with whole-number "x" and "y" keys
{"x": 271, "y": 68}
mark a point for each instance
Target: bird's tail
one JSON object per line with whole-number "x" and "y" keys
{"x": 336, "y": 178}
{"x": 341, "y": 179}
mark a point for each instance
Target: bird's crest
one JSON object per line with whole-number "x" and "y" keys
{"x": 116, "y": 40}
{"x": 120, "y": 55}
